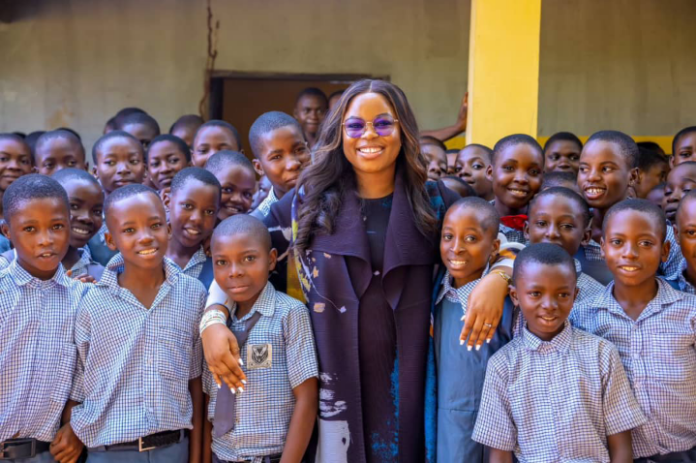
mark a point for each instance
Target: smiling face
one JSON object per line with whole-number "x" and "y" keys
{"x": 310, "y": 111}
{"x": 58, "y": 153}
{"x": 516, "y": 176}
{"x": 633, "y": 247}
{"x": 680, "y": 181}
{"x": 545, "y": 294}
{"x": 649, "y": 179}
{"x": 283, "y": 154}
{"x": 684, "y": 149}
{"x": 555, "y": 219}
{"x": 164, "y": 161}
{"x": 120, "y": 162}
{"x": 40, "y": 233}
{"x": 371, "y": 153}
{"x": 471, "y": 165}
{"x": 685, "y": 230}
{"x": 604, "y": 174}
{"x": 193, "y": 210}
{"x": 238, "y": 188}
{"x": 86, "y": 205}
{"x": 465, "y": 246}
{"x": 437, "y": 161}
{"x": 209, "y": 140}
{"x": 562, "y": 156}
{"x": 241, "y": 265}
{"x": 138, "y": 230}
{"x": 15, "y": 161}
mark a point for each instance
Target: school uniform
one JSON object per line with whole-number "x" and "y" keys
{"x": 200, "y": 267}
{"x": 460, "y": 372}
{"x": 4, "y": 242}
{"x": 556, "y": 401}
{"x": 135, "y": 364}
{"x": 682, "y": 284}
{"x": 279, "y": 355}
{"x": 657, "y": 351}
{"x": 37, "y": 357}
{"x": 263, "y": 209}
{"x": 84, "y": 265}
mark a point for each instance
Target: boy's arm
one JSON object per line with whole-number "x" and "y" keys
{"x": 501, "y": 456}
{"x": 196, "y": 436}
{"x": 620, "y": 447}
{"x": 459, "y": 126}
{"x": 302, "y": 423}
{"x": 66, "y": 447}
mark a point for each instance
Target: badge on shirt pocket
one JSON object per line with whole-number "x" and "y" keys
{"x": 259, "y": 356}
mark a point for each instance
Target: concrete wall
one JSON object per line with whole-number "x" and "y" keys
{"x": 76, "y": 62}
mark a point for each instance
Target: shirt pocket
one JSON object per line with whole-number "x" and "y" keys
{"x": 62, "y": 376}
{"x": 175, "y": 349}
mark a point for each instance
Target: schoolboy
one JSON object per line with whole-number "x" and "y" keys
{"x": 193, "y": 205}
{"x": 142, "y": 126}
{"x": 607, "y": 168}
{"x": 58, "y": 149}
{"x": 657, "y": 195}
{"x": 560, "y": 216}
{"x": 119, "y": 160}
{"x": 562, "y": 153}
{"x": 274, "y": 417}
{"x": 138, "y": 344}
{"x": 435, "y": 154}
{"x": 685, "y": 230}
{"x": 458, "y": 185}
{"x": 680, "y": 181}
{"x": 555, "y": 393}
{"x": 468, "y": 244}
{"x": 280, "y": 153}
{"x": 471, "y": 165}
{"x": 652, "y": 325}
{"x": 38, "y": 303}
{"x": 15, "y": 159}
{"x": 211, "y": 137}
{"x": 237, "y": 178}
{"x": 310, "y": 109}
{"x": 683, "y": 146}
{"x": 560, "y": 179}
{"x": 186, "y": 127}
{"x": 166, "y": 156}
{"x": 515, "y": 171}
{"x": 652, "y": 170}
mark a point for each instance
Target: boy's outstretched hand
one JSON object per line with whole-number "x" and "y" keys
{"x": 66, "y": 447}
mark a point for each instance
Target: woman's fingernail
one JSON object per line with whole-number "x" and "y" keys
{"x": 488, "y": 341}
{"x": 463, "y": 317}
{"x": 461, "y": 342}
{"x": 478, "y": 347}
{"x": 240, "y": 389}
{"x": 219, "y": 386}
{"x": 468, "y": 348}
{"x": 240, "y": 361}
{"x": 244, "y": 382}
{"x": 233, "y": 391}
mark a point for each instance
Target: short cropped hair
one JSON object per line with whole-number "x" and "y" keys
{"x": 428, "y": 140}
{"x": 71, "y": 174}
{"x": 16, "y": 138}
{"x": 556, "y": 178}
{"x": 224, "y": 158}
{"x": 651, "y": 145}
{"x": 266, "y": 123}
{"x": 223, "y": 125}
{"x": 126, "y": 192}
{"x": 563, "y": 136}
{"x": 690, "y": 196}
{"x": 68, "y": 135}
{"x": 487, "y": 150}
{"x": 638, "y": 205}
{"x": 627, "y": 147}
{"x": 336, "y": 93}
{"x": 115, "y": 134}
{"x": 31, "y": 139}
{"x": 312, "y": 91}
{"x": 582, "y": 207}
{"x": 187, "y": 120}
{"x": 72, "y": 131}
{"x": 461, "y": 184}
{"x": 178, "y": 142}
{"x": 244, "y": 224}
{"x": 194, "y": 173}
{"x": 542, "y": 253}
{"x": 29, "y": 187}
{"x": 491, "y": 217}
{"x": 681, "y": 133}
{"x": 648, "y": 158}
{"x": 514, "y": 140}
{"x": 140, "y": 118}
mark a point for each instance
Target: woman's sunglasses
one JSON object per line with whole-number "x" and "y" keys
{"x": 356, "y": 127}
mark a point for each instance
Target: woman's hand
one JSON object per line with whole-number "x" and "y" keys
{"x": 222, "y": 355}
{"x": 484, "y": 310}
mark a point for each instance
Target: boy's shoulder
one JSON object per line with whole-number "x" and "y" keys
{"x": 285, "y": 305}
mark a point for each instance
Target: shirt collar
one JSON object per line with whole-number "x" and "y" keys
{"x": 198, "y": 257}
{"x": 666, "y": 295}
{"x": 265, "y": 304}
{"x": 561, "y": 342}
{"x": 578, "y": 267}
{"x": 116, "y": 266}
{"x": 22, "y": 277}
{"x": 460, "y": 294}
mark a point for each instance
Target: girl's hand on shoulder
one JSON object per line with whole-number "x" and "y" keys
{"x": 484, "y": 311}
{"x": 223, "y": 356}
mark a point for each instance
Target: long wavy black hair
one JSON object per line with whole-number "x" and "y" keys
{"x": 330, "y": 175}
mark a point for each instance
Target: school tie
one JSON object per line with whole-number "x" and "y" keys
{"x": 226, "y": 404}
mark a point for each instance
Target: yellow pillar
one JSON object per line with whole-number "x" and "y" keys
{"x": 503, "y": 69}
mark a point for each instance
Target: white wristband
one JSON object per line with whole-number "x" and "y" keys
{"x": 212, "y": 317}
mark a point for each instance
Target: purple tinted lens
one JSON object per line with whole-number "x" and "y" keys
{"x": 355, "y": 128}
{"x": 383, "y": 127}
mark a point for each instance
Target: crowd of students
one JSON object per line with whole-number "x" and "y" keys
{"x": 373, "y": 297}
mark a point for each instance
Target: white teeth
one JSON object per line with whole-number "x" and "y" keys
{"x": 629, "y": 269}
{"x": 518, "y": 192}
{"x": 192, "y": 231}
{"x": 46, "y": 254}
{"x": 147, "y": 252}
{"x": 370, "y": 150}
{"x": 595, "y": 191}
{"x": 80, "y": 231}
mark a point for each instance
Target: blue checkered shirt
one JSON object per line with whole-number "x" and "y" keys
{"x": 265, "y": 407}
{"x": 37, "y": 351}
{"x": 658, "y": 352}
{"x": 556, "y": 401}
{"x": 84, "y": 265}
{"x": 682, "y": 283}
{"x": 670, "y": 269}
{"x": 512, "y": 235}
{"x": 461, "y": 294}
{"x": 195, "y": 265}
{"x": 135, "y": 363}
{"x": 263, "y": 209}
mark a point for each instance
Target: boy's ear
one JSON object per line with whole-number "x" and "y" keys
{"x": 258, "y": 167}
{"x": 577, "y": 292}
{"x": 526, "y": 230}
{"x": 587, "y": 235}
{"x": 5, "y": 229}
{"x": 87, "y": 166}
{"x": 676, "y": 231}
{"x": 633, "y": 176}
{"x": 169, "y": 231}
{"x": 601, "y": 247}
{"x": 272, "y": 259}
{"x": 95, "y": 173}
{"x": 665, "y": 251}
{"x": 165, "y": 195}
{"x": 489, "y": 172}
{"x": 513, "y": 295}
{"x": 109, "y": 240}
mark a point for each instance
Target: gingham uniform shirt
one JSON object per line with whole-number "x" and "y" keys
{"x": 80, "y": 267}
{"x": 670, "y": 269}
{"x": 265, "y": 407}
{"x": 512, "y": 235}
{"x": 195, "y": 265}
{"x": 556, "y": 401}
{"x": 136, "y": 363}
{"x": 461, "y": 294}
{"x": 37, "y": 351}
{"x": 263, "y": 209}
{"x": 683, "y": 283}
{"x": 659, "y": 354}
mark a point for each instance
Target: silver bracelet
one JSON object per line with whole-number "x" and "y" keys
{"x": 212, "y": 317}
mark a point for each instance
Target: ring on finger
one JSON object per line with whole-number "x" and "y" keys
{"x": 488, "y": 325}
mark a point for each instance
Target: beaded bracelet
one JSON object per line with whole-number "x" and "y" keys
{"x": 212, "y": 317}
